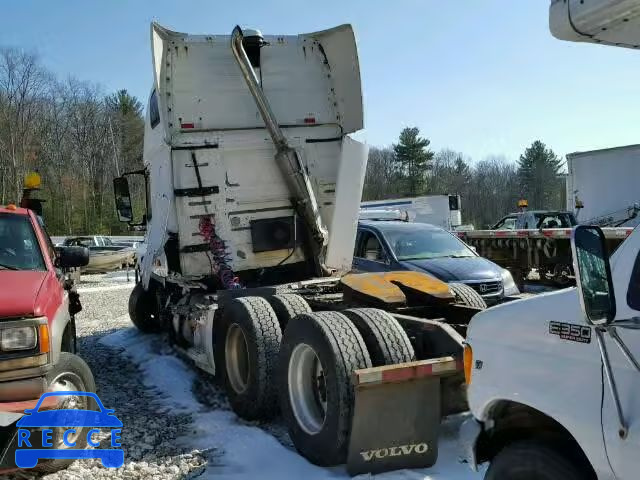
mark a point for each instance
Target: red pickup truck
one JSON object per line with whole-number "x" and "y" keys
{"x": 38, "y": 303}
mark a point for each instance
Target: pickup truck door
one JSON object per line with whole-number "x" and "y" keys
{"x": 623, "y": 453}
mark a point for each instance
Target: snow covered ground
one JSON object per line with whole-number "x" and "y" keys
{"x": 239, "y": 449}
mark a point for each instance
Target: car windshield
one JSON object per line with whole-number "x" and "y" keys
{"x": 418, "y": 242}
{"x": 19, "y": 247}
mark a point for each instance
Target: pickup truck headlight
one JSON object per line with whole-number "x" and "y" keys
{"x": 18, "y": 338}
{"x": 508, "y": 284}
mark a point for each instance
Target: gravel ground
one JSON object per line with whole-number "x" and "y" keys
{"x": 150, "y": 429}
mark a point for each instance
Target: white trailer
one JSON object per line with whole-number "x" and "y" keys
{"x": 440, "y": 210}
{"x": 602, "y": 186}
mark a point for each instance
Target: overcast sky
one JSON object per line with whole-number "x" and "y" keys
{"x": 484, "y": 77}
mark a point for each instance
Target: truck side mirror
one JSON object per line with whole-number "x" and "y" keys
{"x": 593, "y": 274}
{"x": 123, "y": 199}
{"x": 72, "y": 257}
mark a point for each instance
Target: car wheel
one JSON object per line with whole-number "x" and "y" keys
{"x": 70, "y": 373}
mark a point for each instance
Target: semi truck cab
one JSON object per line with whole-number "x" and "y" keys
{"x": 553, "y": 381}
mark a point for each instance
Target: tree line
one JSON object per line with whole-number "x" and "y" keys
{"x": 79, "y": 138}
{"x": 489, "y": 188}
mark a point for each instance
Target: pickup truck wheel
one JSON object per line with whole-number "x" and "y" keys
{"x": 466, "y": 295}
{"x": 386, "y": 341}
{"x": 252, "y": 336}
{"x": 319, "y": 353}
{"x": 142, "y": 309}
{"x": 530, "y": 460}
{"x": 70, "y": 373}
{"x": 288, "y": 306}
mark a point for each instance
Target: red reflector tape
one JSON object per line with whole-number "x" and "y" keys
{"x": 309, "y": 120}
{"x": 501, "y": 234}
{"x": 187, "y": 125}
{"x": 407, "y": 371}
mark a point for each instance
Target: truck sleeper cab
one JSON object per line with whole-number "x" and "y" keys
{"x": 254, "y": 189}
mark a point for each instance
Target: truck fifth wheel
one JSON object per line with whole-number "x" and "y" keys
{"x": 253, "y": 193}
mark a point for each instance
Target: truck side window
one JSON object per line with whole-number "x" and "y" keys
{"x": 370, "y": 248}
{"x": 508, "y": 223}
{"x": 154, "y": 112}
{"x": 633, "y": 292}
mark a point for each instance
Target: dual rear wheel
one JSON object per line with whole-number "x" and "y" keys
{"x": 305, "y": 372}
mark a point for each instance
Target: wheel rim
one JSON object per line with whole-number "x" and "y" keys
{"x": 307, "y": 388}
{"x": 68, "y": 381}
{"x": 236, "y": 355}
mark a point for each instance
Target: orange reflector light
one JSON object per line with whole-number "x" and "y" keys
{"x": 43, "y": 330}
{"x": 468, "y": 363}
{"x": 11, "y": 206}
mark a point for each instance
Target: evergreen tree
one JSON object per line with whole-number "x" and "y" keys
{"x": 413, "y": 159}
{"x": 538, "y": 173}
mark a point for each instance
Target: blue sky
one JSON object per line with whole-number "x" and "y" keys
{"x": 482, "y": 77}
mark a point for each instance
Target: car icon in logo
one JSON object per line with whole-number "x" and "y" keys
{"x": 70, "y": 424}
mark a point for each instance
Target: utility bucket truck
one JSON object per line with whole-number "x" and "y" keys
{"x": 253, "y": 196}
{"x": 556, "y": 395}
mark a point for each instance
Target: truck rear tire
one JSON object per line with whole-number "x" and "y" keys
{"x": 386, "y": 341}
{"x": 466, "y": 295}
{"x": 251, "y": 335}
{"x": 530, "y": 460}
{"x": 142, "y": 310}
{"x": 288, "y": 306}
{"x": 70, "y": 373}
{"x": 318, "y": 407}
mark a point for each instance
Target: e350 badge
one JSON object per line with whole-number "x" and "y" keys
{"x": 568, "y": 331}
{"x": 64, "y": 431}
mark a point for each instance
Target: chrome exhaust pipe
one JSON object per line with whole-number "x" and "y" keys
{"x": 287, "y": 159}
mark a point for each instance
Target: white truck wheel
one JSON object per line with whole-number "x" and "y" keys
{"x": 318, "y": 355}
{"x": 288, "y": 306}
{"x": 142, "y": 309}
{"x": 530, "y": 460}
{"x": 251, "y": 335}
{"x": 386, "y": 341}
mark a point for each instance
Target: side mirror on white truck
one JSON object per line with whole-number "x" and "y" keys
{"x": 593, "y": 275}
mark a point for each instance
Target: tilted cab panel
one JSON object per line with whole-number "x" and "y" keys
{"x": 240, "y": 183}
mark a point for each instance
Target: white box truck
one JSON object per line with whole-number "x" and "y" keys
{"x": 602, "y": 186}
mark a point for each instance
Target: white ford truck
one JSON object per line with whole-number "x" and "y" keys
{"x": 554, "y": 381}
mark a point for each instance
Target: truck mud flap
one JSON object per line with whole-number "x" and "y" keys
{"x": 397, "y": 415}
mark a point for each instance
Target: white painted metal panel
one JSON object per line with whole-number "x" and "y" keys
{"x": 606, "y": 181}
